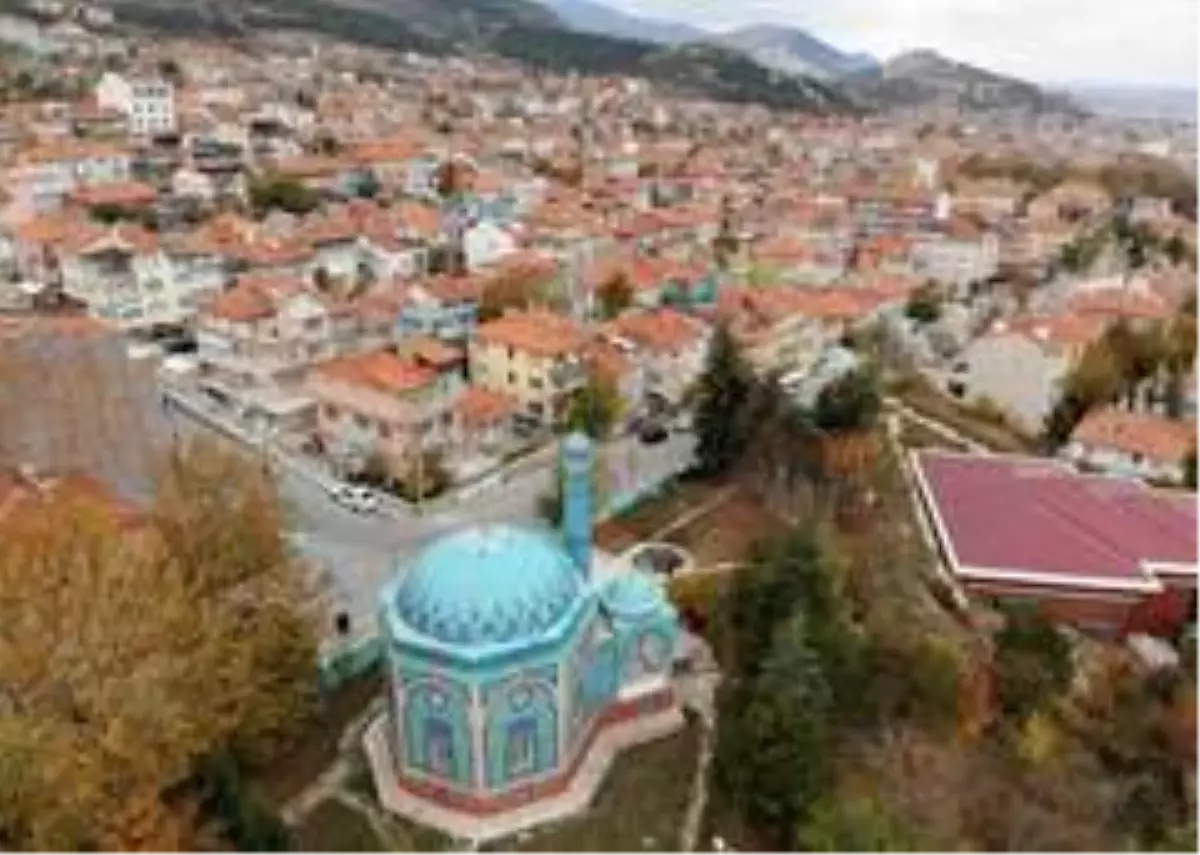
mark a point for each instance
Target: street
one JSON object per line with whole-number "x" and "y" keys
{"x": 356, "y": 554}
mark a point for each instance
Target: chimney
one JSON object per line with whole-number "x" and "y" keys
{"x": 577, "y": 500}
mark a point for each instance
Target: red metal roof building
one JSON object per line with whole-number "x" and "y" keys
{"x": 1106, "y": 554}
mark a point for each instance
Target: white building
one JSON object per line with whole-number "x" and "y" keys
{"x": 958, "y": 256}
{"x": 43, "y": 175}
{"x": 147, "y": 103}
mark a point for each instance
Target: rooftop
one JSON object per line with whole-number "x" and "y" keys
{"x": 1036, "y": 521}
{"x": 380, "y": 370}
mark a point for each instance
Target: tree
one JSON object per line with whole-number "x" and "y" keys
{"x": 841, "y": 823}
{"x": 1189, "y": 470}
{"x": 1032, "y": 662}
{"x": 1096, "y": 379}
{"x": 723, "y": 391}
{"x": 322, "y": 280}
{"x": 131, "y": 653}
{"x": 246, "y": 821}
{"x": 1176, "y": 249}
{"x": 924, "y": 304}
{"x": 425, "y": 477}
{"x": 368, "y": 185}
{"x": 273, "y": 192}
{"x": 615, "y": 295}
{"x": 514, "y": 287}
{"x": 849, "y": 404}
{"x": 775, "y": 758}
{"x": 596, "y": 408}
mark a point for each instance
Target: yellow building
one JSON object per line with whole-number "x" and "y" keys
{"x": 534, "y": 357}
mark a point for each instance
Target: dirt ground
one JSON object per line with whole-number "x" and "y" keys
{"x": 723, "y": 534}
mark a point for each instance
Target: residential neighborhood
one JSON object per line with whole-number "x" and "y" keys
{"x": 545, "y": 428}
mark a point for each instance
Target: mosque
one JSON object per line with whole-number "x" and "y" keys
{"x": 520, "y": 664}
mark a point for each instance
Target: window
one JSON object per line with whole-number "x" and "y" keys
{"x": 511, "y": 354}
{"x": 440, "y": 742}
{"x": 331, "y": 412}
{"x": 512, "y": 377}
{"x": 385, "y": 431}
{"x": 361, "y": 421}
{"x": 521, "y": 747}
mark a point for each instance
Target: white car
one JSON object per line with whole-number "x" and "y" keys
{"x": 360, "y": 500}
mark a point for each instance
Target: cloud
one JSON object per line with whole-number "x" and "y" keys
{"x": 1135, "y": 41}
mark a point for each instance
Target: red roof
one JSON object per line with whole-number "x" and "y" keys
{"x": 1038, "y": 522}
{"x": 379, "y": 370}
{"x": 1155, "y": 437}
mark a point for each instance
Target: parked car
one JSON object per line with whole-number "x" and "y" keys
{"x": 652, "y": 433}
{"x": 360, "y": 500}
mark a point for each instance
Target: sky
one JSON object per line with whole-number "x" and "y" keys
{"x": 1144, "y": 42}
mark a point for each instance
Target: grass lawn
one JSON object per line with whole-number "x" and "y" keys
{"x": 997, "y": 436}
{"x": 333, "y": 827}
{"x": 640, "y": 805}
{"x": 916, "y": 435}
{"x": 336, "y": 829}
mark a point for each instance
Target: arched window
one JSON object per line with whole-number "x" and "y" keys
{"x": 439, "y": 746}
{"x": 520, "y": 754}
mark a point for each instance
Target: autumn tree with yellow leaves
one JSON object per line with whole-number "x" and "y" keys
{"x": 130, "y": 653}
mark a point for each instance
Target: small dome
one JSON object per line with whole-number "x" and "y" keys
{"x": 633, "y": 595}
{"x": 488, "y": 585}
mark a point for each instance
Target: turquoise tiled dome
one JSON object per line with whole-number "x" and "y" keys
{"x": 488, "y": 585}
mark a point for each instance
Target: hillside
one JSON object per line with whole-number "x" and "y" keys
{"x": 794, "y": 51}
{"x": 520, "y": 30}
{"x": 924, "y": 77}
{"x": 587, "y": 16}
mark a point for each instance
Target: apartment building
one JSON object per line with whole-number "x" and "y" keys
{"x": 534, "y": 357}
{"x": 148, "y": 104}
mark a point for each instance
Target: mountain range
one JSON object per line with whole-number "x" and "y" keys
{"x": 786, "y": 49}
{"x": 922, "y": 77}
{"x": 781, "y": 67}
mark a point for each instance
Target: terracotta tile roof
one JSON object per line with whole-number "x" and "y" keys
{"x": 1156, "y": 438}
{"x": 427, "y": 350}
{"x": 1118, "y": 302}
{"x": 393, "y": 150}
{"x": 662, "y": 330}
{"x": 272, "y": 252}
{"x": 483, "y": 406}
{"x": 70, "y": 150}
{"x": 607, "y": 360}
{"x": 540, "y": 333}
{"x": 380, "y": 370}
{"x": 454, "y": 289}
{"x": 421, "y": 220}
{"x": 117, "y": 193}
{"x": 310, "y": 166}
{"x": 242, "y": 303}
{"x": 53, "y": 228}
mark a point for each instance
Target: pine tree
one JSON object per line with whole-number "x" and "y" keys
{"x": 724, "y": 391}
